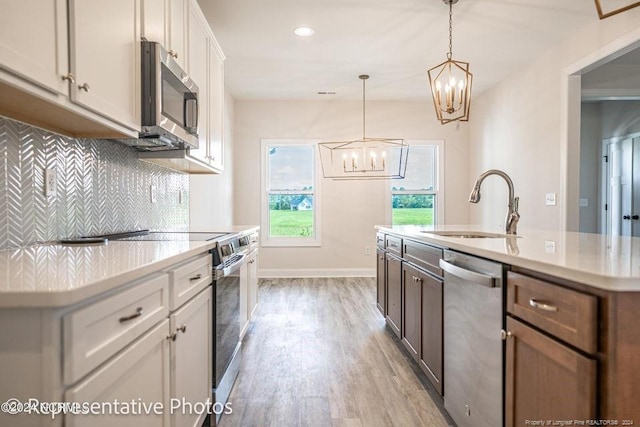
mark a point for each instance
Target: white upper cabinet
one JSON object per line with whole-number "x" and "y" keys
{"x": 155, "y": 16}
{"x": 33, "y": 41}
{"x": 216, "y": 105}
{"x": 165, "y": 22}
{"x": 198, "y": 71}
{"x": 104, "y": 45}
{"x": 177, "y": 31}
{"x": 206, "y": 68}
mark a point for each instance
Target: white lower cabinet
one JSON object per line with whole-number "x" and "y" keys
{"x": 135, "y": 380}
{"x": 252, "y": 282}
{"x": 191, "y": 356}
{"x": 163, "y": 377}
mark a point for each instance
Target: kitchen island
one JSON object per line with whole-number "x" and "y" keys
{"x": 570, "y": 304}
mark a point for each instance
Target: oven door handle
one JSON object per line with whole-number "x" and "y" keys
{"x": 232, "y": 268}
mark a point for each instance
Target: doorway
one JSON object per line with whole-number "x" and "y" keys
{"x": 621, "y": 157}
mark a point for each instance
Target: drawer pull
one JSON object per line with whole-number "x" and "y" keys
{"x": 135, "y": 315}
{"x": 542, "y": 306}
{"x": 393, "y": 245}
{"x": 196, "y": 277}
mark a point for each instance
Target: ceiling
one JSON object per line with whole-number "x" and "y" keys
{"x": 394, "y": 41}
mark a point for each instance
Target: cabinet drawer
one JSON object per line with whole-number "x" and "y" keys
{"x": 189, "y": 279}
{"x": 393, "y": 244}
{"x": 564, "y": 313}
{"x": 96, "y": 332}
{"x": 422, "y": 255}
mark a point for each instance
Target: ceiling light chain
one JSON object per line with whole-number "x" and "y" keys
{"x": 450, "y": 54}
{"x": 364, "y": 78}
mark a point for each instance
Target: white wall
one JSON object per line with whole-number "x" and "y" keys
{"x": 516, "y": 126}
{"x": 211, "y": 196}
{"x": 350, "y": 209}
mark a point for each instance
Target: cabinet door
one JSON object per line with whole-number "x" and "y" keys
{"x": 177, "y": 40}
{"x": 191, "y": 358}
{"x": 138, "y": 374}
{"x": 546, "y": 380}
{"x": 411, "y": 308}
{"x": 33, "y": 41}
{"x": 216, "y": 105}
{"x": 155, "y": 16}
{"x": 252, "y": 281}
{"x": 394, "y": 296}
{"x": 198, "y": 64}
{"x": 105, "y": 58}
{"x": 431, "y": 344}
{"x": 381, "y": 291}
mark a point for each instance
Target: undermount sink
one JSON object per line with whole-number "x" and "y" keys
{"x": 470, "y": 234}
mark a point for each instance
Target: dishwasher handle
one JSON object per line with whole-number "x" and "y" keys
{"x": 468, "y": 275}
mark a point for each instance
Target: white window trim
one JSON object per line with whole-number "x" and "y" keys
{"x": 265, "y": 239}
{"x": 438, "y": 191}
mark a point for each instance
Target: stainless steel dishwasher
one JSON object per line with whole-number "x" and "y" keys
{"x": 473, "y": 347}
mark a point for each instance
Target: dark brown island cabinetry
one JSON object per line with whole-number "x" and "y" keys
{"x": 394, "y": 293}
{"x": 572, "y": 351}
{"x": 409, "y": 294}
{"x": 381, "y": 278}
{"x": 422, "y": 321}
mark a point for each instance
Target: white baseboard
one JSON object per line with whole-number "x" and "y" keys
{"x": 271, "y": 273}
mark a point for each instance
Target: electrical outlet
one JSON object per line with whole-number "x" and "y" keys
{"x": 367, "y": 250}
{"x": 550, "y": 199}
{"x": 50, "y": 182}
{"x": 152, "y": 193}
{"x": 584, "y": 203}
{"x": 550, "y": 246}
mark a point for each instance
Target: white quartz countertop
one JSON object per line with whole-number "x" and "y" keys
{"x": 606, "y": 262}
{"x": 53, "y": 275}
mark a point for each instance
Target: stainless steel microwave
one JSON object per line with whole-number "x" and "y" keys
{"x": 169, "y": 102}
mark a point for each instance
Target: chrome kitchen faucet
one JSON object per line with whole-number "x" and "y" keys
{"x": 513, "y": 216}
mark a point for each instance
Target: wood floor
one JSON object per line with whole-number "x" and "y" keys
{"x": 318, "y": 354}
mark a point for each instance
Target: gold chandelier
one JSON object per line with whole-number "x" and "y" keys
{"x": 451, "y": 83}
{"x": 365, "y": 158}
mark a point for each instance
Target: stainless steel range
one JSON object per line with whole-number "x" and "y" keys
{"x": 228, "y": 257}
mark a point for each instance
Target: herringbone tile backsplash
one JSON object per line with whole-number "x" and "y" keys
{"x": 102, "y": 188}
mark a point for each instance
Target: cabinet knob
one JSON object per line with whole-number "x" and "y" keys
{"x": 173, "y": 53}
{"x": 182, "y": 329}
{"x": 505, "y": 334}
{"x": 69, "y": 77}
{"x": 85, "y": 87}
{"x": 635, "y": 217}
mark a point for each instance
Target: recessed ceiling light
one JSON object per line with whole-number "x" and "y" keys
{"x": 303, "y": 31}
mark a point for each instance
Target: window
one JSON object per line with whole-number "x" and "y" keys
{"x": 290, "y": 202}
{"x": 417, "y": 199}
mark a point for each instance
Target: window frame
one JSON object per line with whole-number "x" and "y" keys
{"x": 438, "y": 192}
{"x": 266, "y": 239}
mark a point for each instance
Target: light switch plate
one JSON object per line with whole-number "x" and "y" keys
{"x": 550, "y": 199}
{"x": 584, "y": 203}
